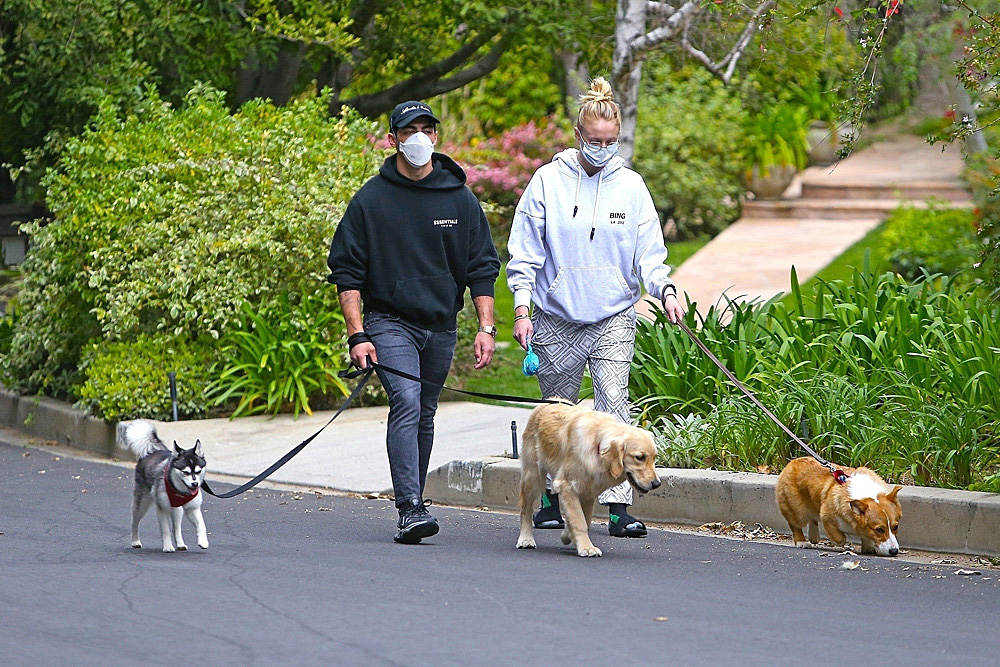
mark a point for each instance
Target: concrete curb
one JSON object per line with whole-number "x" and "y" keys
{"x": 933, "y": 519}
{"x": 49, "y": 419}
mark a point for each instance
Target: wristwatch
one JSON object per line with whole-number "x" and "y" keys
{"x": 490, "y": 329}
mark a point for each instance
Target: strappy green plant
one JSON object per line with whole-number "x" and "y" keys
{"x": 280, "y": 357}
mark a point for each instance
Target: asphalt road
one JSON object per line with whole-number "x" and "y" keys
{"x": 294, "y": 577}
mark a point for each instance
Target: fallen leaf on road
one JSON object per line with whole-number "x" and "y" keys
{"x": 738, "y": 529}
{"x": 660, "y": 619}
{"x": 967, "y": 572}
{"x": 944, "y": 561}
{"x": 850, "y": 565}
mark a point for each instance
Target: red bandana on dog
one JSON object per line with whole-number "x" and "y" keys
{"x": 176, "y": 497}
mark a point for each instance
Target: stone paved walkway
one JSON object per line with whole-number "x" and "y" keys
{"x": 753, "y": 257}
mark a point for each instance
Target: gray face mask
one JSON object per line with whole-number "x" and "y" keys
{"x": 598, "y": 156}
{"x": 417, "y": 149}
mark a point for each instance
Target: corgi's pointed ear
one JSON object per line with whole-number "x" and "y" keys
{"x": 197, "y": 448}
{"x": 891, "y": 496}
{"x": 177, "y": 448}
{"x": 860, "y": 506}
{"x": 613, "y": 456}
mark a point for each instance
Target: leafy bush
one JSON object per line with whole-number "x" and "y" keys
{"x": 499, "y": 168}
{"x": 687, "y": 148}
{"x": 983, "y": 175}
{"x": 935, "y": 240}
{"x": 777, "y": 137}
{"x": 170, "y": 220}
{"x": 901, "y": 377}
{"x": 128, "y": 380}
{"x": 282, "y": 356}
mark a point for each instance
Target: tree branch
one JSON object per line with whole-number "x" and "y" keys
{"x": 428, "y": 82}
{"x": 660, "y": 9}
{"x": 654, "y": 38}
{"x": 732, "y": 58}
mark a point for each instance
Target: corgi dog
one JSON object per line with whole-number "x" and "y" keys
{"x": 864, "y": 505}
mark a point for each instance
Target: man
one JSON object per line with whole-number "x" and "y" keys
{"x": 412, "y": 240}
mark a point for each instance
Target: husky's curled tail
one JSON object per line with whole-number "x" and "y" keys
{"x": 140, "y": 438}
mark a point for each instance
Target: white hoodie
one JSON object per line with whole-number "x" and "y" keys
{"x": 580, "y": 244}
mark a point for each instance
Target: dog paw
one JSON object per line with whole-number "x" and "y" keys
{"x": 169, "y": 550}
{"x": 526, "y": 543}
{"x": 203, "y": 545}
{"x": 182, "y": 547}
{"x": 137, "y": 544}
{"x": 566, "y": 538}
{"x": 588, "y": 552}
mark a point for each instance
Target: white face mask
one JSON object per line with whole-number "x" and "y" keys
{"x": 417, "y": 149}
{"x": 598, "y": 156}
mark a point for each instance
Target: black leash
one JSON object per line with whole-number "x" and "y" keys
{"x": 295, "y": 450}
{"x": 838, "y": 474}
{"x": 478, "y": 394}
{"x": 365, "y": 374}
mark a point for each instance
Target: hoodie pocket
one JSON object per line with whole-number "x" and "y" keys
{"x": 589, "y": 288}
{"x": 425, "y": 299}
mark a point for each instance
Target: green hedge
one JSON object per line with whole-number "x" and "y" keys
{"x": 128, "y": 380}
{"x": 931, "y": 240}
{"x": 169, "y": 221}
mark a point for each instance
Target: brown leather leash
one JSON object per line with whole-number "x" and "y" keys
{"x": 837, "y": 473}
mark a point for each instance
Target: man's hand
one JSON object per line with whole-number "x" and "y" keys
{"x": 360, "y": 354}
{"x": 673, "y": 308}
{"x": 483, "y": 349}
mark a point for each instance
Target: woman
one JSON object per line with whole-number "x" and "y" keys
{"x": 585, "y": 232}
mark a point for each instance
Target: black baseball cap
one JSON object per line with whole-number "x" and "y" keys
{"x": 406, "y": 112}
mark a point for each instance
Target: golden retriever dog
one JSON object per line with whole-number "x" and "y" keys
{"x": 585, "y": 452}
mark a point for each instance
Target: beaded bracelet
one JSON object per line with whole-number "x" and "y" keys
{"x": 521, "y": 317}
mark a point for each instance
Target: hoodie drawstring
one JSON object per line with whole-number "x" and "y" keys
{"x": 597, "y": 199}
{"x": 576, "y": 198}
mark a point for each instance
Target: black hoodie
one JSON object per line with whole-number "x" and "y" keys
{"x": 413, "y": 247}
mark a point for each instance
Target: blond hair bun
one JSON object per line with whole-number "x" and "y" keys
{"x": 599, "y": 102}
{"x": 600, "y": 91}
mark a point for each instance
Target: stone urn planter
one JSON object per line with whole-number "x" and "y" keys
{"x": 771, "y": 184}
{"x": 825, "y": 139}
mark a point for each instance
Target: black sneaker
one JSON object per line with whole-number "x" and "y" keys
{"x": 415, "y": 522}
{"x": 548, "y": 516}
{"x": 622, "y": 524}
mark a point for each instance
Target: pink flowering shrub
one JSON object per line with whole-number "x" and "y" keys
{"x": 499, "y": 168}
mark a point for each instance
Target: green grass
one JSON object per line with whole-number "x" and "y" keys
{"x": 842, "y": 267}
{"x": 503, "y": 375}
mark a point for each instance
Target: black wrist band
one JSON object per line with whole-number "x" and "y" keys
{"x": 360, "y": 337}
{"x": 521, "y": 317}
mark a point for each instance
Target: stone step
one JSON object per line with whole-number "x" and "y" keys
{"x": 829, "y": 209}
{"x": 913, "y": 191}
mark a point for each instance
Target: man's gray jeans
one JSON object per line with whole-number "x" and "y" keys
{"x": 412, "y": 405}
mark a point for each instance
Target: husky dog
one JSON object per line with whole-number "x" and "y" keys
{"x": 171, "y": 479}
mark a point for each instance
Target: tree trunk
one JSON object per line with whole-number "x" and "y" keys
{"x": 576, "y": 78}
{"x": 626, "y": 70}
{"x": 273, "y": 81}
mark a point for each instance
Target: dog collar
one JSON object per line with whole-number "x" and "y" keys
{"x": 177, "y": 499}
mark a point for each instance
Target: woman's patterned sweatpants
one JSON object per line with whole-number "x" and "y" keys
{"x": 565, "y": 349}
